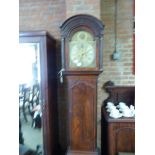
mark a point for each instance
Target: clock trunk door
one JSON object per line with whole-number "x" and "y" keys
{"x": 82, "y": 113}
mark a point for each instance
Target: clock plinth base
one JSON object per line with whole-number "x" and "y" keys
{"x": 71, "y": 152}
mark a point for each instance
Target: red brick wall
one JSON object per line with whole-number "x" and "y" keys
{"x": 119, "y": 71}
{"x": 49, "y": 15}
{"x": 91, "y": 7}
{"x": 42, "y": 15}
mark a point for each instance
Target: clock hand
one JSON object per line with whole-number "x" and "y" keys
{"x": 80, "y": 53}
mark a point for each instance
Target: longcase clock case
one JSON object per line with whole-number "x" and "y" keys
{"x": 82, "y": 81}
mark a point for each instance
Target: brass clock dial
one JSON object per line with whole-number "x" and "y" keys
{"x": 82, "y": 51}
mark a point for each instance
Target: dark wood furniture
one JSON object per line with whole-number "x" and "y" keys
{"x": 81, "y": 74}
{"x": 48, "y": 86}
{"x": 26, "y": 99}
{"x": 118, "y": 135}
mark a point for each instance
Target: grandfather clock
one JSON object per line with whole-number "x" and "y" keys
{"x": 81, "y": 46}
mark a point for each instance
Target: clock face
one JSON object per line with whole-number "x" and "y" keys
{"x": 82, "y": 50}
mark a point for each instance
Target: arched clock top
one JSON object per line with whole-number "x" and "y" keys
{"x": 81, "y": 44}
{"x": 82, "y": 22}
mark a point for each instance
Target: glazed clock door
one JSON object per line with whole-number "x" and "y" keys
{"x": 82, "y": 50}
{"x": 81, "y": 64}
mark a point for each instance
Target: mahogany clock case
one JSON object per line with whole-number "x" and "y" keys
{"x": 82, "y": 85}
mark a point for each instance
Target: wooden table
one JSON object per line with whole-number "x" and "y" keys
{"x": 117, "y": 135}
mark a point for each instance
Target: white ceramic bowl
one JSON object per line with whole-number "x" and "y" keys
{"x": 115, "y": 114}
{"x": 111, "y": 108}
{"x": 123, "y": 108}
{"x": 128, "y": 113}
